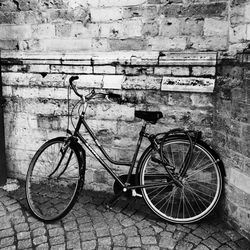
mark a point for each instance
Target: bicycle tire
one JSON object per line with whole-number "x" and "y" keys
{"x": 53, "y": 180}
{"x": 202, "y": 185}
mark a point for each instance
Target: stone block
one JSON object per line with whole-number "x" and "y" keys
{"x": 238, "y": 33}
{"x": 111, "y": 111}
{"x": 142, "y": 82}
{"x": 16, "y": 79}
{"x": 113, "y": 81}
{"x": 8, "y": 44}
{"x": 191, "y": 26}
{"x": 106, "y": 14}
{"x": 8, "y": 6}
{"x": 187, "y": 59}
{"x": 186, "y": 84}
{"x": 104, "y": 69}
{"x": 246, "y": 13}
{"x": 80, "y": 30}
{"x": 213, "y": 43}
{"x": 239, "y": 180}
{"x": 68, "y": 44}
{"x": 107, "y": 3}
{"x": 169, "y": 27}
{"x": 150, "y": 29}
{"x": 40, "y": 31}
{"x": 168, "y": 44}
{"x": 215, "y": 27}
{"x": 248, "y": 32}
{"x": 71, "y": 69}
{"x": 39, "y": 68}
{"x": 62, "y": 29}
{"x": 194, "y": 10}
{"x": 89, "y": 81}
{"x": 162, "y": 70}
{"x": 203, "y": 71}
{"x": 127, "y": 44}
{"x": 122, "y": 29}
{"x": 237, "y": 15}
{"x": 15, "y": 32}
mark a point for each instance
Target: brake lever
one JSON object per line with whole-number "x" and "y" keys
{"x": 107, "y": 98}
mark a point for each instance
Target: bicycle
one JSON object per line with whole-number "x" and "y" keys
{"x": 178, "y": 175}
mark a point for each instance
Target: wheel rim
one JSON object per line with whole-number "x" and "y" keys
{"x": 50, "y": 187}
{"x": 201, "y": 185}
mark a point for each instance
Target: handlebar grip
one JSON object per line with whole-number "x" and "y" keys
{"x": 71, "y": 79}
{"x": 114, "y": 96}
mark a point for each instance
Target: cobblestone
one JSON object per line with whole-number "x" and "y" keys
{"x": 117, "y": 229}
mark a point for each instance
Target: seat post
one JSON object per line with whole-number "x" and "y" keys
{"x": 142, "y": 133}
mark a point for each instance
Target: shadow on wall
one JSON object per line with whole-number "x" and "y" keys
{"x": 231, "y": 138}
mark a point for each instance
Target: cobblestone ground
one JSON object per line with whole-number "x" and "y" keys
{"x": 130, "y": 225}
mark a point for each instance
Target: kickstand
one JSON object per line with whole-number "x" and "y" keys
{"x": 111, "y": 202}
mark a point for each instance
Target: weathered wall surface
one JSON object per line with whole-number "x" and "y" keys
{"x": 124, "y": 46}
{"x": 36, "y": 93}
{"x": 231, "y": 136}
{"x": 108, "y": 25}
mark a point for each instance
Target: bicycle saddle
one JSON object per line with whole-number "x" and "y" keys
{"x": 149, "y": 116}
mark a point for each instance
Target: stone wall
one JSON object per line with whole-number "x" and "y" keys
{"x": 231, "y": 137}
{"x": 35, "y": 86}
{"x": 110, "y": 25}
{"x": 135, "y": 48}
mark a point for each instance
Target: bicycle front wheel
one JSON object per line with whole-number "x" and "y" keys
{"x": 53, "y": 180}
{"x": 201, "y": 186}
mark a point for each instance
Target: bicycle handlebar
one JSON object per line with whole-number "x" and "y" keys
{"x": 71, "y": 79}
{"x": 117, "y": 97}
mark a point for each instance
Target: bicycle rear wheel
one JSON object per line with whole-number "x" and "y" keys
{"x": 201, "y": 186}
{"x": 53, "y": 180}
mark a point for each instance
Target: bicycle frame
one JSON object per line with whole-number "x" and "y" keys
{"x": 125, "y": 186}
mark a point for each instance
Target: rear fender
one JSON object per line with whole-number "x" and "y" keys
{"x": 82, "y": 154}
{"x": 172, "y": 137}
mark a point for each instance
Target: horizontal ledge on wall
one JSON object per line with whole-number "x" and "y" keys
{"x": 188, "y": 84}
{"x": 114, "y": 57}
